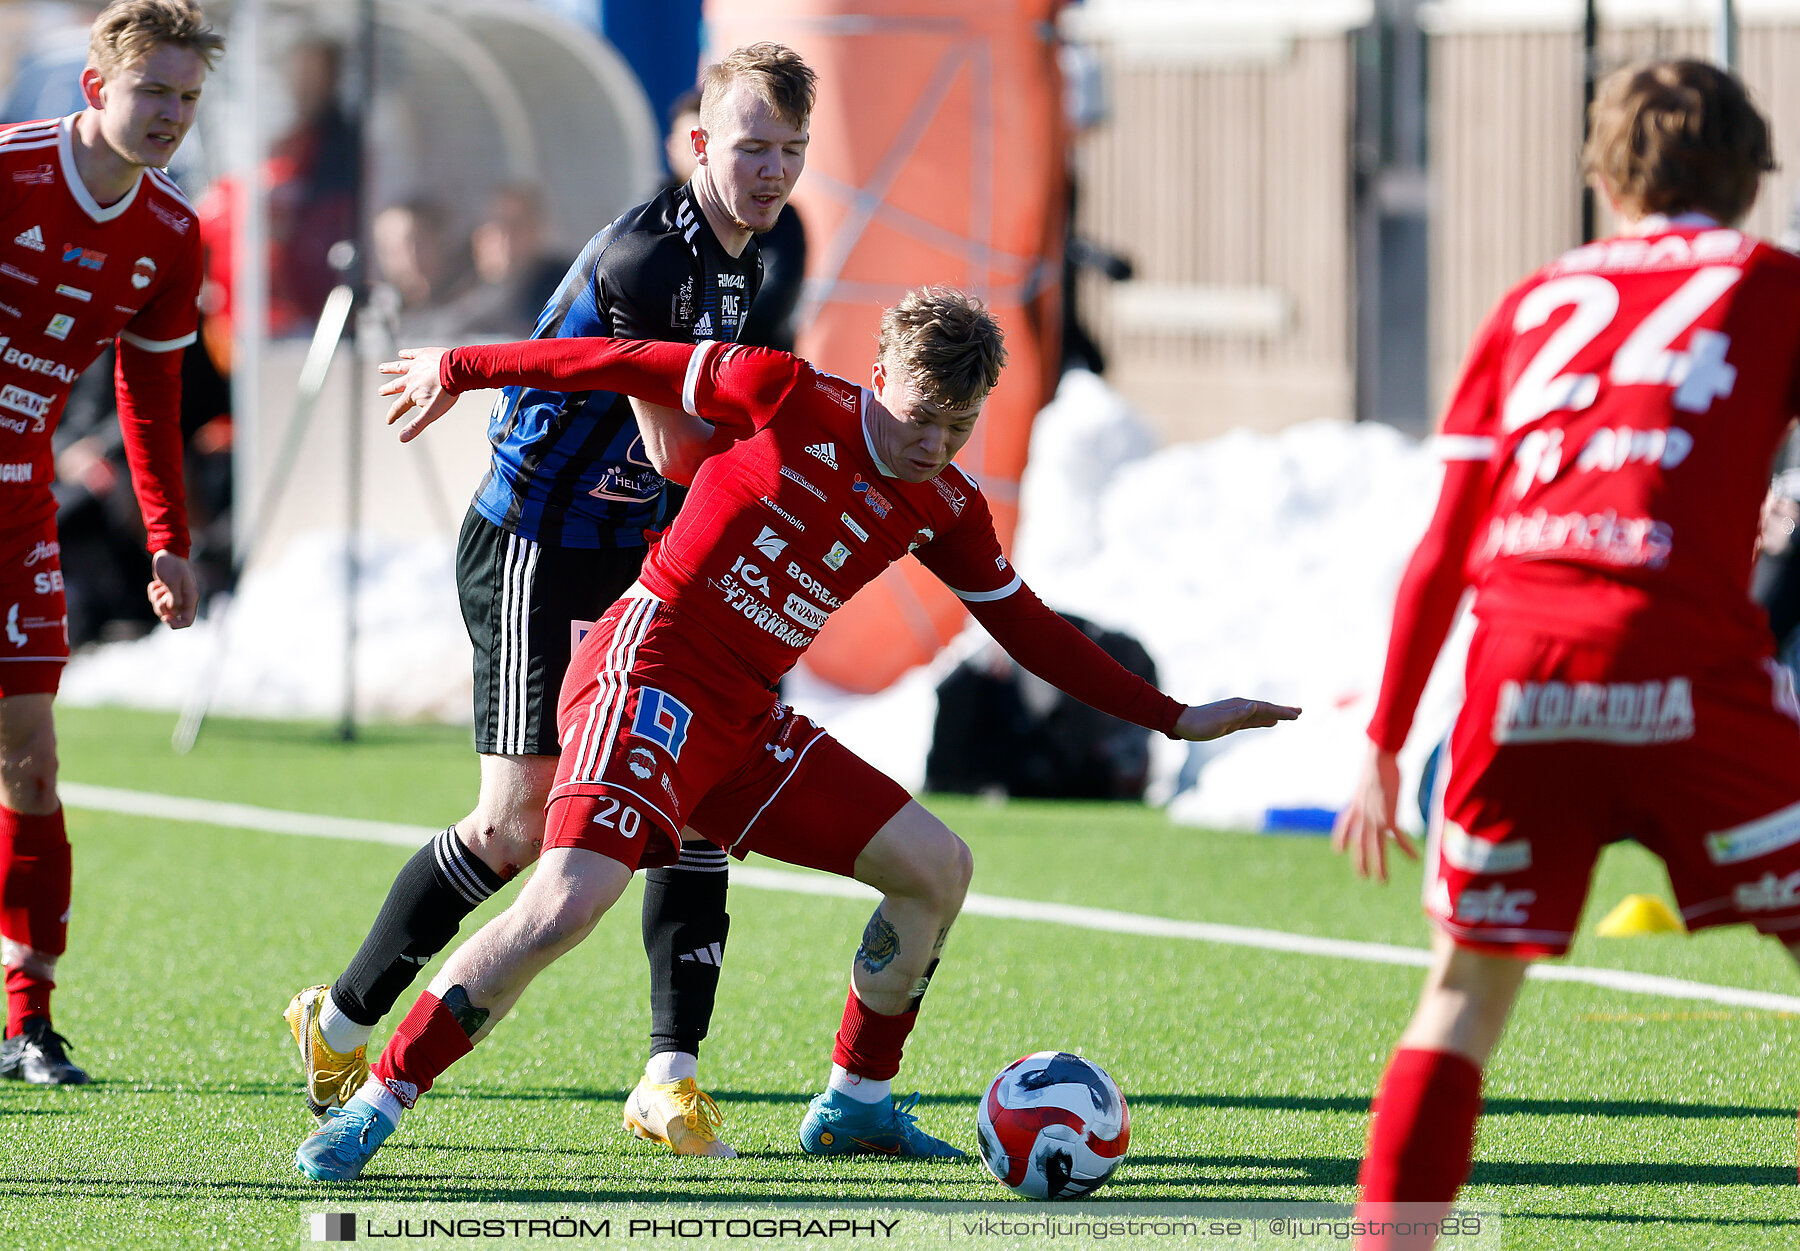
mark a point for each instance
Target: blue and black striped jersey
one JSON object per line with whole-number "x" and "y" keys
{"x": 569, "y": 470}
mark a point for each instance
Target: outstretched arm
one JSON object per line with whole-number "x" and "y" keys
{"x": 1063, "y": 656}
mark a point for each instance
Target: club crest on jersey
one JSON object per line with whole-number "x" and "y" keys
{"x": 32, "y": 239}
{"x": 662, "y": 719}
{"x": 641, "y": 763}
{"x": 87, "y": 258}
{"x": 835, "y": 558}
{"x": 873, "y": 498}
{"x": 142, "y": 272}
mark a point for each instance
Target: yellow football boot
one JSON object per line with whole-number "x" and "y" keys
{"x": 332, "y": 1077}
{"x": 678, "y": 1114}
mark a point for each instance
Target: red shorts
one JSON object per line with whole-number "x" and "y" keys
{"x": 1565, "y": 746}
{"x": 660, "y": 729}
{"x": 36, "y": 640}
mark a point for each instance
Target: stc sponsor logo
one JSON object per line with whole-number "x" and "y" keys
{"x": 32, "y": 239}
{"x": 1591, "y": 712}
{"x": 760, "y": 613}
{"x": 873, "y": 498}
{"x": 770, "y": 544}
{"x": 1494, "y": 905}
{"x": 17, "y": 473}
{"x": 87, "y": 258}
{"x": 805, "y": 612}
{"x": 813, "y": 586}
{"x": 1625, "y": 542}
{"x": 59, "y": 326}
{"x": 953, "y": 497}
{"x": 34, "y": 364}
{"x": 1668, "y": 252}
{"x": 835, "y": 558}
{"x": 826, "y": 452}
{"x": 143, "y": 272}
{"x": 1768, "y": 893}
{"x": 802, "y": 483}
{"x": 784, "y": 514}
{"x": 19, "y": 400}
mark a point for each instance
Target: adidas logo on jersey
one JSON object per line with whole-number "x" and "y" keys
{"x": 713, "y": 955}
{"x": 703, "y": 327}
{"x": 33, "y": 239}
{"x": 826, "y": 452}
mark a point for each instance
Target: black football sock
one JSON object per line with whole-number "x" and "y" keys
{"x": 684, "y": 937}
{"x": 443, "y": 883}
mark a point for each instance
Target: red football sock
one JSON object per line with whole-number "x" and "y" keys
{"x": 1421, "y": 1137}
{"x": 35, "y": 871}
{"x": 869, "y": 1044}
{"x": 427, "y": 1042}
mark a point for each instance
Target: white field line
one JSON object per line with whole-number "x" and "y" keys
{"x": 274, "y": 821}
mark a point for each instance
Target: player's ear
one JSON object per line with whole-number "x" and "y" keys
{"x": 91, "y": 84}
{"x": 878, "y": 376}
{"x": 697, "y": 137}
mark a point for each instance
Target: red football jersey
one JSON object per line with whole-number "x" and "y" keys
{"x": 73, "y": 277}
{"x": 1629, "y": 399}
{"x": 1609, "y": 446}
{"x": 793, "y": 512}
{"x": 796, "y": 516}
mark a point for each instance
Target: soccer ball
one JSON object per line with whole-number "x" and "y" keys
{"x": 1052, "y": 1126}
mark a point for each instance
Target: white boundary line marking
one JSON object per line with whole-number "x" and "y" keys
{"x": 274, "y": 821}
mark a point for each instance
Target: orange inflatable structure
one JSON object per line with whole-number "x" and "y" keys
{"x": 937, "y": 156}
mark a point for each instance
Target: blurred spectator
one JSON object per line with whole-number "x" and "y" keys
{"x": 514, "y": 278}
{"x": 770, "y": 322}
{"x": 411, "y": 263}
{"x": 312, "y": 173}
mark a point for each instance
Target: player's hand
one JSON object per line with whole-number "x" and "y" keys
{"x": 1366, "y": 824}
{"x": 1202, "y": 722}
{"x": 173, "y": 592}
{"x": 417, "y": 387}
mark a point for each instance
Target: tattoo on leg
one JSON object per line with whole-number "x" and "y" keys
{"x": 471, "y": 1018}
{"x": 938, "y": 943}
{"x": 880, "y": 944}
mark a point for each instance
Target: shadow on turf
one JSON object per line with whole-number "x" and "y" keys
{"x": 1493, "y": 1107}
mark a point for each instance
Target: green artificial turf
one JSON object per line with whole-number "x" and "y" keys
{"x": 1614, "y": 1119}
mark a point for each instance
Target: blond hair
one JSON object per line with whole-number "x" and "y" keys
{"x": 128, "y": 30}
{"x": 947, "y": 341}
{"x": 1678, "y": 136}
{"x": 774, "y": 73}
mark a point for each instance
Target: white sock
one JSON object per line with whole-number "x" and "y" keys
{"x": 341, "y": 1034}
{"x": 861, "y": 1089}
{"x": 671, "y": 1066}
{"x": 375, "y": 1091}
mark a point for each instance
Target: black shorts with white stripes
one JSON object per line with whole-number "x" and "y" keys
{"x": 526, "y": 605}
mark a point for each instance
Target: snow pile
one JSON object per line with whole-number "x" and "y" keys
{"x": 1250, "y": 564}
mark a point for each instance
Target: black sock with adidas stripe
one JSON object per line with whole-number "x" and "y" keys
{"x": 685, "y": 924}
{"x": 443, "y": 883}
